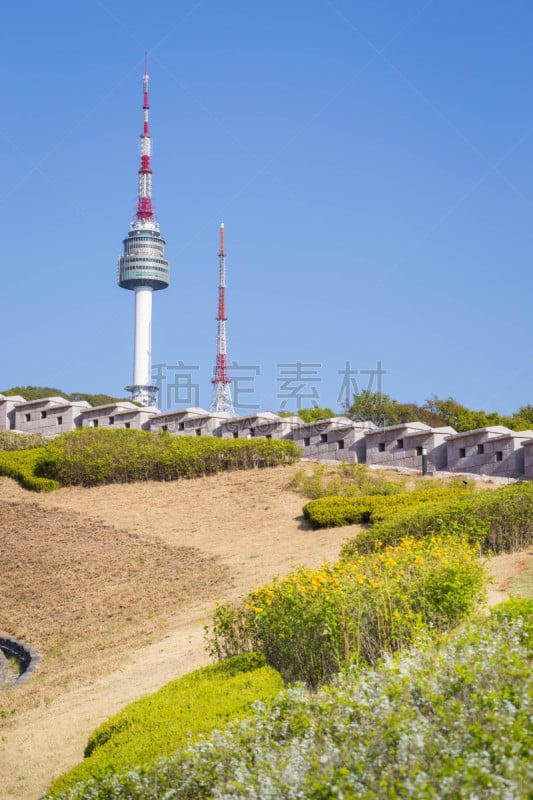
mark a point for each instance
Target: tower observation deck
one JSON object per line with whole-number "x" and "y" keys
{"x": 143, "y": 268}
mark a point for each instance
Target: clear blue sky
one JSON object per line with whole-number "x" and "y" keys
{"x": 372, "y": 161}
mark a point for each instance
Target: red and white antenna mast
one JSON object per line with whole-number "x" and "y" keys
{"x": 221, "y": 381}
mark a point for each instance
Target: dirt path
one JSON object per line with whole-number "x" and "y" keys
{"x": 47, "y": 741}
{"x": 250, "y": 521}
{"x": 504, "y": 568}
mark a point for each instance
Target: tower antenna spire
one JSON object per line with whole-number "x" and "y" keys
{"x": 143, "y": 268}
{"x": 221, "y": 381}
{"x": 144, "y": 202}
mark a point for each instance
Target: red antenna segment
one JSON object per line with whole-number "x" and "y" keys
{"x": 144, "y": 204}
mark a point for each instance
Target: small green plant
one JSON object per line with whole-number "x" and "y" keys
{"x": 517, "y": 610}
{"x": 162, "y": 722}
{"x": 15, "y": 664}
{"x": 522, "y": 584}
{"x": 346, "y": 480}
{"x": 312, "y": 623}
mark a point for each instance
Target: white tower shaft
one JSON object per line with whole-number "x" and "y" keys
{"x": 142, "y": 367}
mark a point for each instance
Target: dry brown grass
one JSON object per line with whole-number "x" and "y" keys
{"x": 81, "y": 592}
{"x": 91, "y": 576}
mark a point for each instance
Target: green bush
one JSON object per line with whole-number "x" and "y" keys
{"x": 517, "y": 610}
{"x": 495, "y": 520}
{"x": 9, "y": 440}
{"x": 314, "y": 622}
{"x": 345, "y": 480}
{"x": 451, "y": 722}
{"x": 329, "y": 512}
{"x": 89, "y": 457}
{"x": 20, "y": 465}
{"x": 162, "y": 722}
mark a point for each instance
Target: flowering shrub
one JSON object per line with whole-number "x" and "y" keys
{"x": 329, "y": 512}
{"x": 159, "y": 723}
{"x": 497, "y": 521}
{"x": 89, "y": 457}
{"x": 452, "y": 722}
{"x": 314, "y": 622}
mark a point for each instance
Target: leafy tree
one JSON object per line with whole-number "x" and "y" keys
{"x": 94, "y": 399}
{"x": 38, "y": 392}
{"x": 523, "y": 418}
{"x": 374, "y": 407}
{"x": 314, "y": 414}
{"x": 436, "y": 411}
{"x": 34, "y": 392}
{"x": 461, "y": 418}
{"x": 384, "y": 410}
{"x": 308, "y": 414}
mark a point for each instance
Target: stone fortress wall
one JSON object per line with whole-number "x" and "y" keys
{"x": 491, "y": 451}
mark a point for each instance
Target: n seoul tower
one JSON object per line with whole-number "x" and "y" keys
{"x": 143, "y": 268}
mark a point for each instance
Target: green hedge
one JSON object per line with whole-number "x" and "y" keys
{"x": 20, "y": 465}
{"x": 330, "y": 512}
{"x": 495, "y": 520}
{"x": 9, "y": 440}
{"x": 451, "y": 722}
{"x": 89, "y": 457}
{"x": 162, "y": 722}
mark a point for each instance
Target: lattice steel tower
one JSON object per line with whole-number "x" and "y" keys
{"x": 221, "y": 381}
{"x": 143, "y": 267}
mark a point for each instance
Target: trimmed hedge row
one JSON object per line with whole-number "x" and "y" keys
{"x": 9, "y": 440}
{"x": 91, "y": 457}
{"x": 20, "y": 465}
{"x": 330, "y": 512}
{"x": 495, "y": 520}
{"x": 451, "y": 721}
{"x": 160, "y": 723}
